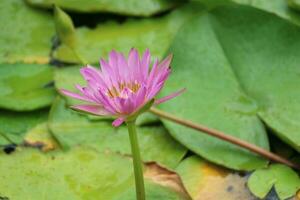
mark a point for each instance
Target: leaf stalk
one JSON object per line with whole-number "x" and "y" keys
{"x": 137, "y": 161}
{"x": 223, "y": 136}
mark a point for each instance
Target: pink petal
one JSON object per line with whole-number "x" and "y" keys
{"x": 156, "y": 85}
{"x": 119, "y": 104}
{"x": 133, "y": 58}
{"x": 92, "y": 74}
{"x": 134, "y": 65}
{"x": 75, "y": 95}
{"x": 127, "y": 105}
{"x": 152, "y": 72}
{"x": 86, "y": 91}
{"x": 107, "y": 73}
{"x": 161, "y": 77}
{"x": 171, "y": 96}
{"x": 152, "y": 92}
{"x": 118, "y": 122}
{"x": 166, "y": 62}
{"x": 108, "y": 103}
{"x": 113, "y": 58}
{"x": 140, "y": 97}
{"x": 145, "y": 63}
{"x": 113, "y": 62}
{"x": 159, "y": 69}
{"x": 105, "y": 67}
{"x": 93, "y": 109}
{"x": 123, "y": 67}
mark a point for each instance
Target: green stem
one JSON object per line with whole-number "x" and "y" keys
{"x": 137, "y": 162}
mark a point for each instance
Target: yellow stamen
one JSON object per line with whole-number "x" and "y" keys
{"x": 115, "y": 92}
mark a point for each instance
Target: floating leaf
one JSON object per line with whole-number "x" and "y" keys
{"x": 277, "y": 7}
{"x": 270, "y": 75}
{"x": 213, "y": 97}
{"x": 128, "y": 7}
{"x": 64, "y": 27}
{"x": 77, "y": 174}
{"x": 39, "y": 136}
{"x": 283, "y": 178}
{"x": 295, "y": 4}
{"x": 14, "y": 124}
{"x": 147, "y": 119}
{"x": 207, "y": 181}
{"x": 155, "y": 34}
{"x": 72, "y": 129}
{"x": 25, "y": 33}
{"x": 26, "y": 87}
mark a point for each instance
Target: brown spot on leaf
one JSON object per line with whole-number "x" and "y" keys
{"x": 39, "y": 137}
{"x": 165, "y": 177}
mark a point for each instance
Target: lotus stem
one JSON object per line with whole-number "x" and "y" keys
{"x": 223, "y": 136}
{"x": 137, "y": 161}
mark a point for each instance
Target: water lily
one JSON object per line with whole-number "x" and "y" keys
{"x": 122, "y": 86}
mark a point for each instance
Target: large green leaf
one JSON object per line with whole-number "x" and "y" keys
{"x": 277, "y": 7}
{"x": 127, "y": 7}
{"x": 267, "y": 67}
{"x": 204, "y": 180}
{"x": 155, "y": 34}
{"x": 295, "y": 4}
{"x": 14, "y": 125}
{"x": 25, "y": 34}
{"x": 213, "y": 98}
{"x": 80, "y": 174}
{"x": 72, "y": 129}
{"x": 283, "y": 178}
{"x": 26, "y": 86}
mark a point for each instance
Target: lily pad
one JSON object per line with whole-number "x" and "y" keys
{"x": 273, "y": 83}
{"x": 295, "y": 4}
{"x": 26, "y": 87}
{"x": 13, "y": 125}
{"x": 72, "y": 129}
{"x": 128, "y": 7}
{"x": 204, "y": 180}
{"x": 155, "y": 34}
{"x": 77, "y": 174}
{"x": 213, "y": 98}
{"x": 25, "y": 33}
{"x": 147, "y": 118}
{"x": 283, "y": 178}
{"x": 277, "y": 7}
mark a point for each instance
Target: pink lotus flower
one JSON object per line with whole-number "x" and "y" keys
{"x": 123, "y": 86}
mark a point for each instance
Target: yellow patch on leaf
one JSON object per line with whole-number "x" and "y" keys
{"x": 204, "y": 180}
{"x": 40, "y": 137}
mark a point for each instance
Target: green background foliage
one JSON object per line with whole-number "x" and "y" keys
{"x": 239, "y": 61}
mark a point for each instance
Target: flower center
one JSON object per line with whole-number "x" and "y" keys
{"x": 123, "y": 89}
